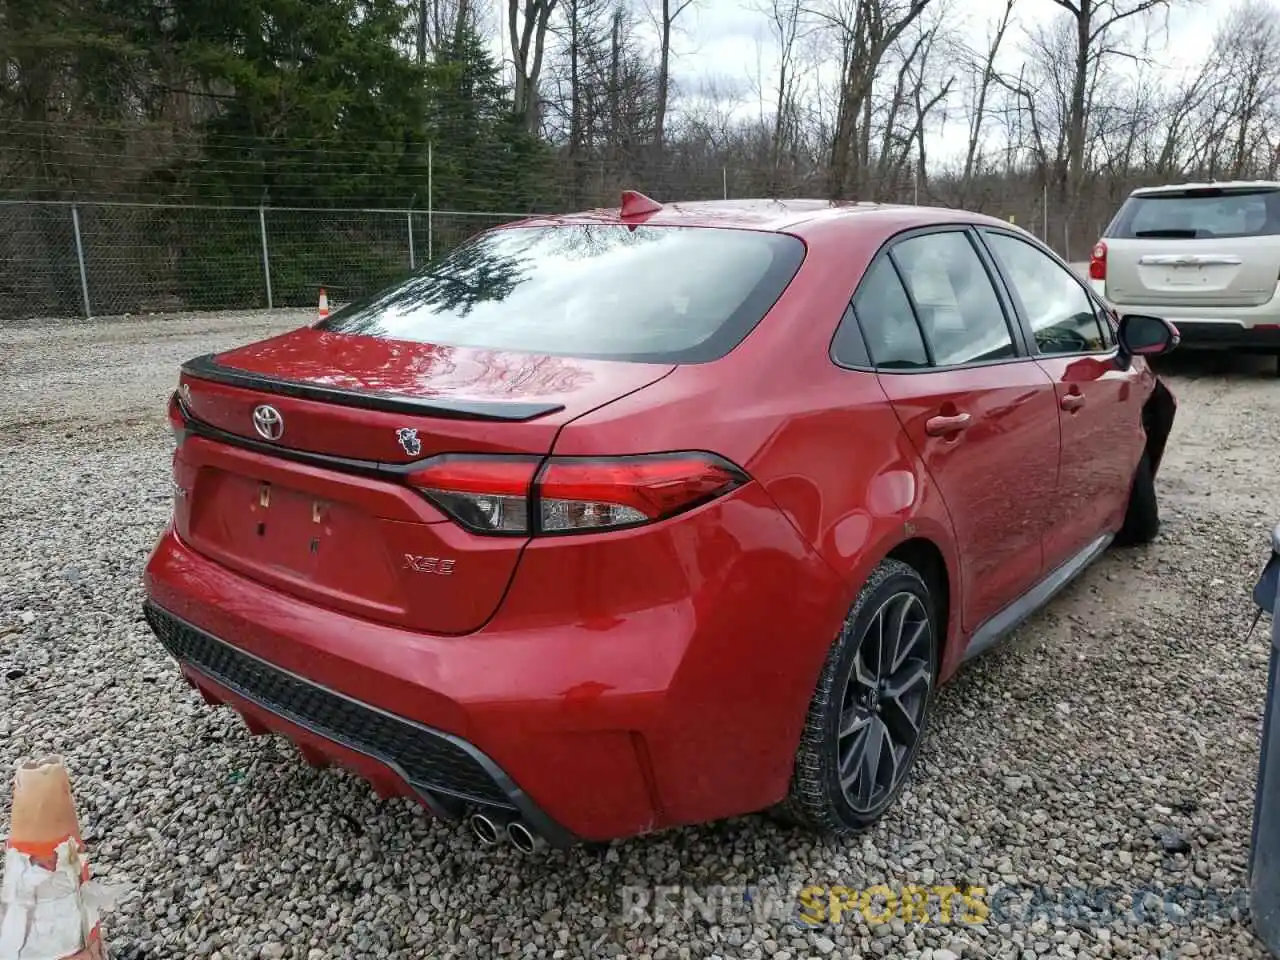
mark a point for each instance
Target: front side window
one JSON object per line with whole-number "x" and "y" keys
{"x": 1109, "y": 324}
{"x": 1061, "y": 315}
{"x": 958, "y": 308}
{"x": 596, "y": 291}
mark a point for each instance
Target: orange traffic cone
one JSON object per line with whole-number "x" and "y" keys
{"x": 48, "y": 905}
{"x": 324, "y": 304}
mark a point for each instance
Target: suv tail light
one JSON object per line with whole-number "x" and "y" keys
{"x": 1098, "y": 261}
{"x": 526, "y": 495}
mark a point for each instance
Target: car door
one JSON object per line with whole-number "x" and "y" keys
{"x": 980, "y": 413}
{"x": 1100, "y": 410}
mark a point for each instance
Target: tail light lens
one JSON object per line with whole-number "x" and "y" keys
{"x": 484, "y": 494}
{"x": 1098, "y": 261}
{"x": 564, "y": 495}
{"x": 575, "y": 494}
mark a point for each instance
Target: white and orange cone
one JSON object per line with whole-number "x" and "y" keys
{"x": 324, "y": 304}
{"x": 49, "y": 907}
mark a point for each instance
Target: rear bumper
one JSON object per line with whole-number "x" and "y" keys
{"x": 622, "y": 717}
{"x": 447, "y": 774}
{"x": 1228, "y": 335}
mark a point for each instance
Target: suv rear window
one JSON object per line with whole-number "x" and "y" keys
{"x": 1199, "y": 213}
{"x": 606, "y": 291}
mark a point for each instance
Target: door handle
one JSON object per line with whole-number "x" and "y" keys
{"x": 941, "y": 426}
{"x": 1072, "y": 401}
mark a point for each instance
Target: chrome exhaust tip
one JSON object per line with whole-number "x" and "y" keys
{"x": 485, "y": 829}
{"x": 522, "y": 838}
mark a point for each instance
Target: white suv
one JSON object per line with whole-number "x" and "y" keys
{"x": 1204, "y": 255}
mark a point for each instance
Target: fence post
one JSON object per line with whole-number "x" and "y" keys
{"x": 266, "y": 257}
{"x": 84, "y": 276}
{"x": 430, "y": 205}
{"x": 408, "y": 219}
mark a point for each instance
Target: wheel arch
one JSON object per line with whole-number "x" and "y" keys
{"x": 926, "y": 557}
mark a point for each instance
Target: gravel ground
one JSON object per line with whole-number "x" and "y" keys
{"x": 1109, "y": 746}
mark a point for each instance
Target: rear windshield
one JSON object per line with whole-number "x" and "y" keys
{"x": 1201, "y": 213}
{"x": 607, "y": 291}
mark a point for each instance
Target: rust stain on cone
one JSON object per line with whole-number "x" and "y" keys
{"x": 44, "y": 813}
{"x": 48, "y": 905}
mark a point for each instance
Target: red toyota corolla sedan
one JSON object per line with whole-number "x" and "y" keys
{"x": 650, "y": 516}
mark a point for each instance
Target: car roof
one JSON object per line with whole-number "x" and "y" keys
{"x": 780, "y": 216}
{"x": 1206, "y": 184}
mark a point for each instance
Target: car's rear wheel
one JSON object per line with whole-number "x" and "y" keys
{"x": 1142, "y": 518}
{"x": 868, "y": 713}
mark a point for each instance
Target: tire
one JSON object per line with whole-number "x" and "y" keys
{"x": 894, "y": 593}
{"x": 1142, "y": 518}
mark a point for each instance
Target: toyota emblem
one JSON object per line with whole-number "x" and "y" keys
{"x": 268, "y": 422}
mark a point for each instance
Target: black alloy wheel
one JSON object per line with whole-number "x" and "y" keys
{"x": 869, "y": 711}
{"x": 885, "y": 698}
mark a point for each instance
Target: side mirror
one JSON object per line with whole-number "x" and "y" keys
{"x": 1144, "y": 336}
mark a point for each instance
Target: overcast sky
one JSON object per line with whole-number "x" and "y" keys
{"x": 724, "y": 33}
{"x": 730, "y": 42}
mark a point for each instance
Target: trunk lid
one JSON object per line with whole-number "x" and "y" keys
{"x": 1214, "y": 273}
{"x": 1195, "y": 246}
{"x": 317, "y": 510}
{"x": 350, "y": 396}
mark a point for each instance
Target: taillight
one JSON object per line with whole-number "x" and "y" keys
{"x": 484, "y": 494}
{"x": 1098, "y": 261}
{"x": 511, "y": 495}
{"x": 585, "y": 494}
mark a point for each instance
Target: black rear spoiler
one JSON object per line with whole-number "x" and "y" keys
{"x": 206, "y": 367}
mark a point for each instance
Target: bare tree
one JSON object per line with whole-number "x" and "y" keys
{"x": 1177, "y": 106}
{"x": 1246, "y": 63}
{"x": 865, "y": 29}
{"x": 527, "y": 21}
{"x": 669, "y": 13}
{"x": 436, "y": 24}
{"x": 925, "y": 98}
{"x": 984, "y": 77}
{"x": 904, "y": 115}
{"x": 1096, "y": 24}
{"x": 786, "y": 26}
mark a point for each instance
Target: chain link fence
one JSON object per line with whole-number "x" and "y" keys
{"x": 62, "y": 259}
{"x": 104, "y": 259}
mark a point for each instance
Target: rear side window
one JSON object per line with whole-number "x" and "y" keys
{"x": 848, "y": 347}
{"x": 884, "y": 312}
{"x": 958, "y": 309}
{"x": 1198, "y": 213}
{"x": 605, "y": 291}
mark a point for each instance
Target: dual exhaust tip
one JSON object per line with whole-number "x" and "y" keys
{"x": 490, "y": 831}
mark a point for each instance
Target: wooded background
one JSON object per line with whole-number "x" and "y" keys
{"x": 1066, "y": 106}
